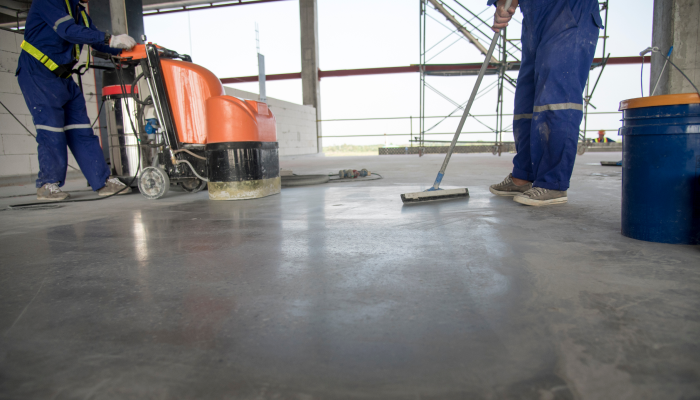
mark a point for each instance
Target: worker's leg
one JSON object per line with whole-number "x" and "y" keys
{"x": 83, "y": 143}
{"x": 524, "y": 101}
{"x": 45, "y": 96}
{"x": 519, "y": 181}
{"x": 564, "y": 57}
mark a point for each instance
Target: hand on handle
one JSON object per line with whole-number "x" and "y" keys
{"x": 503, "y": 15}
{"x": 124, "y": 42}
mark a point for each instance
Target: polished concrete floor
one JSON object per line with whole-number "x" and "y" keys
{"x": 339, "y": 291}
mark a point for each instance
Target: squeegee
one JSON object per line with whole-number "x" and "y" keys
{"x": 435, "y": 193}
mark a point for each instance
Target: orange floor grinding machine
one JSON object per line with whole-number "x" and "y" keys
{"x": 170, "y": 122}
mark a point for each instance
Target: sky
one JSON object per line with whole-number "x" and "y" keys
{"x": 385, "y": 33}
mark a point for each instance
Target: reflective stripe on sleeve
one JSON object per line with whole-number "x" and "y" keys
{"x": 76, "y": 126}
{"x": 60, "y": 21}
{"x": 522, "y": 116}
{"x": 49, "y": 128}
{"x": 560, "y": 106}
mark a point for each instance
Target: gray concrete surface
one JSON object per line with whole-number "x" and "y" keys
{"x": 675, "y": 24}
{"x": 340, "y": 292}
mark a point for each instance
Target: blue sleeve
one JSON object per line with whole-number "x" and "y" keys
{"x": 102, "y": 46}
{"x": 55, "y": 15}
{"x": 491, "y": 2}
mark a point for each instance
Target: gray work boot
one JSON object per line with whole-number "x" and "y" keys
{"x": 112, "y": 186}
{"x": 51, "y": 191}
{"x": 509, "y": 188}
{"x": 538, "y": 196}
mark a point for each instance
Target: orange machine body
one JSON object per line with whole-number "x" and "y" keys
{"x": 189, "y": 86}
{"x": 136, "y": 53}
{"x": 202, "y": 112}
{"x": 230, "y": 119}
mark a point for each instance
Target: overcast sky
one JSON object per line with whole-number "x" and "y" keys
{"x": 383, "y": 33}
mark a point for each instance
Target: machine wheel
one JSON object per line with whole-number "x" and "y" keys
{"x": 581, "y": 149}
{"x": 193, "y": 186}
{"x": 494, "y": 150}
{"x": 154, "y": 183}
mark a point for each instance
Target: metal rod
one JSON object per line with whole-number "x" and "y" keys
{"x": 442, "y": 116}
{"x": 475, "y": 90}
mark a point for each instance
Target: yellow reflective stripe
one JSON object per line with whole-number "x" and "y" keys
{"x": 68, "y": 7}
{"x": 87, "y": 25}
{"x": 43, "y": 58}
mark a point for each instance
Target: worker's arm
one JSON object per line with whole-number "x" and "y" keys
{"x": 102, "y": 46}
{"x": 55, "y": 14}
{"x": 503, "y": 16}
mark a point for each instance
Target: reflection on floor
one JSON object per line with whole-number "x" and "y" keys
{"x": 339, "y": 291}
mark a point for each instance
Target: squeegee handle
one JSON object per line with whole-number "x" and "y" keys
{"x": 482, "y": 72}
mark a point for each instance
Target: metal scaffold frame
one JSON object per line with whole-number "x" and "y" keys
{"x": 474, "y": 28}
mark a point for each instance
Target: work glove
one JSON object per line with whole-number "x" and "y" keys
{"x": 124, "y": 42}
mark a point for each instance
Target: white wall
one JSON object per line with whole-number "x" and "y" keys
{"x": 296, "y": 124}
{"x": 18, "y": 154}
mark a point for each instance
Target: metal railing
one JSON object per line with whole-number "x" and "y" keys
{"x": 412, "y": 133}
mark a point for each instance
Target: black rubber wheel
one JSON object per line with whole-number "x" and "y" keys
{"x": 154, "y": 183}
{"x": 193, "y": 186}
{"x": 303, "y": 180}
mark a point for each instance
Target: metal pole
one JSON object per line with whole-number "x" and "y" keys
{"x": 424, "y": 11}
{"x": 500, "y": 89}
{"x": 605, "y": 30}
{"x": 468, "y": 108}
{"x": 585, "y": 111}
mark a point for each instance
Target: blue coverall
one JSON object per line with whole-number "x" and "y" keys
{"x": 558, "y": 41}
{"x": 56, "y": 104}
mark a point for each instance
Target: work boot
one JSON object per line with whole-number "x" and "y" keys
{"x": 538, "y": 196}
{"x": 509, "y": 188}
{"x": 51, "y": 191}
{"x": 112, "y": 186}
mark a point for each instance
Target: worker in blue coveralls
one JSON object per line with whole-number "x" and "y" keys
{"x": 558, "y": 40}
{"x": 54, "y": 34}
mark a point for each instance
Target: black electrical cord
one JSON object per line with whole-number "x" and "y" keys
{"x": 148, "y": 100}
{"x": 25, "y": 128}
{"x": 123, "y": 86}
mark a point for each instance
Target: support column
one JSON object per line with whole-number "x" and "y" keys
{"x": 310, "y": 83}
{"x": 676, "y": 24}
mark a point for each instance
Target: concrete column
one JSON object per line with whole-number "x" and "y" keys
{"x": 117, "y": 10}
{"x": 311, "y": 86}
{"x": 676, "y": 24}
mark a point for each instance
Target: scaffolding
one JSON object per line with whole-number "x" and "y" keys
{"x": 474, "y": 28}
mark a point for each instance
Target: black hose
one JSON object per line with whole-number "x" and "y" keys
{"x": 148, "y": 100}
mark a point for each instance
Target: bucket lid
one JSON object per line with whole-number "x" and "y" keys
{"x": 664, "y": 100}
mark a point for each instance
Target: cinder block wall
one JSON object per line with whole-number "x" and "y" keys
{"x": 296, "y": 124}
{"x": 18, "y": 154}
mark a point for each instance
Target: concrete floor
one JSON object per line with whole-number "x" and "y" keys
{"x": 340, "y": 292}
